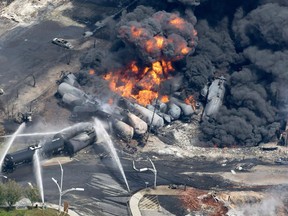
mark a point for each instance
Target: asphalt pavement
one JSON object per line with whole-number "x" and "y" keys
{"x": 105, "y": 190}
{"x": 27, "y": 51}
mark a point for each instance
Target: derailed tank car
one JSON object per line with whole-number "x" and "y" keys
{"x": 70, "y": 140}
{"x": 23, "y": 156}
{"x": 59, "y": 141}
{"x": 55, "y": 147}
{"x": 80, "y": 141}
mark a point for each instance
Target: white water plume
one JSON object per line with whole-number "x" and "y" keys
{"x": 7, "y": 145}
{"x": 33, "y": 134}
{"x": 100, "y": 131}
{"x": 38, "y": 173}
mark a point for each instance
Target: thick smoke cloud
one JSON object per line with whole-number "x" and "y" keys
{"x": 246, "y": 41}
{"x": 251, "y": 112}
{"x": 160, "y": 36}
{"x": 216, "y": 43}
{"x": 187, "y": 2}
{"x": 199, "y": 70}
{"x": 266, "y": 25}
{"x": 271, "y": 62}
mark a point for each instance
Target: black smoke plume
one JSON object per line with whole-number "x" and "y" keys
{"x": 254, "y": 105}
{"x": 162, "y": 35}
{"x": 246, "y": 41}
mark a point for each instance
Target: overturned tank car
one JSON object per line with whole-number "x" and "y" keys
{"x": 80, "y": 141}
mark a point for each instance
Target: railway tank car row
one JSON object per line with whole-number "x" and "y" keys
{"x": 68, "y": 141}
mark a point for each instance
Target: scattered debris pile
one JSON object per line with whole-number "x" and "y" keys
{"x": 203, "y": 203}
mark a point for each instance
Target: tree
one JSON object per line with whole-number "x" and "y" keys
{"x": 12, "y": 192}
{"x": 2, "y": 195}
{"x": 32, "y": 193}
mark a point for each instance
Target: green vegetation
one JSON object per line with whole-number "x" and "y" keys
{"x": 32, "y": 193}
{"x": 2, "y": 194}
{"x": 32, "y": 212}
{"x": 11, "y": 192}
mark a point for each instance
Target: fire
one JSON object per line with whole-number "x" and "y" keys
{"x": 149, "y": 46}
{"x": 91, "y": 71}
{"x": 145, "y": 97}
{"x": 177, "y": 22}
{"x": 164, "y": 99}
{"x": 159, "y": 41}
{"x": 163, "y": 35}
{"x": 185, "y": 50}
{"x": 157, "y": 68}
{"x": 167, "y": 66}
{"x": 190, "y": 101}
{"x": 134, "y": 68}
{"x": 141, "y": 84}
{"x": 136, "y": 32}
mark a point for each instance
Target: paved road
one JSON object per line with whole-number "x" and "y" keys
{"x": 105, "y": 191}
{"x": 28, "y": 50}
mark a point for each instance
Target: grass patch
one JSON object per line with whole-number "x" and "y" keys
{"x": 32, "y": 212}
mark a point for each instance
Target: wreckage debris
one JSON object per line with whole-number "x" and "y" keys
{"x": 128, "y": 119}
{"x": 140, "y": 127}
{"x": 185, "y": 108}
{"x": 174, "y": 111}
{"x": 123, "y": 130}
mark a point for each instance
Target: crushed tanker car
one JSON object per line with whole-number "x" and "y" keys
{"x": 215, "y": 96}
{"x": 68, "y": 141}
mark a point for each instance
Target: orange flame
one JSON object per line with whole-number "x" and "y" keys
{"x": 136, "y": 32}
{"x": 91, "y": 71}
{"x": 140, "y": 84}
{"x": 145, "y": 97}
{"x": 164, "y": 99}
{"x": 191, "y": 101}
{"x": 134, "y": 68}
{"x": 159, "y": 41}
{"x": 154, "y": 43}
{"x": 178, "y": 22}
{"x": 185, "y": 50}
{"x": 149, "y": 46}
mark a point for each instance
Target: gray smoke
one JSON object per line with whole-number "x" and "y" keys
{"x": 199, "y": 70}
{"x": 264, "y": 26}
{"x": 187, "y": 2}
{"x": 258, "y": 42}
{"x": 274, "y": 203}
{"x": 246, "y": 41}
{"x": 177, "y": 36}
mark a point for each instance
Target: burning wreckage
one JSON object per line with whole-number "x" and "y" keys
{"x": 146, "y": 88}
{"x": 128, "y": 119}
{"x": 148, "y": 97}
